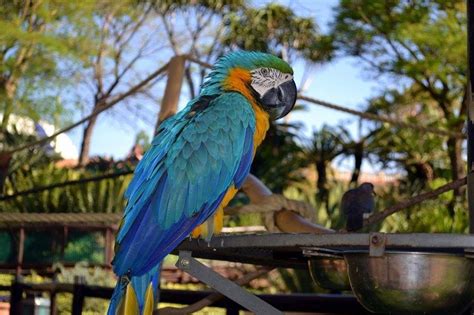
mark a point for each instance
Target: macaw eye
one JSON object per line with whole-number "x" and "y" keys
{"x": 264, "y": 72}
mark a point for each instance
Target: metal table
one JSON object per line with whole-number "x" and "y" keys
{"x": 286, "y": 250}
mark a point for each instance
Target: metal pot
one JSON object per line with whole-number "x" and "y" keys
{"x": 329, "y": 271}
{"x": 412, "y": 282}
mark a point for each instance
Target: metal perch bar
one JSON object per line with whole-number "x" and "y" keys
{"x": 214, "y": 297}
{"x": 228, "y": 288}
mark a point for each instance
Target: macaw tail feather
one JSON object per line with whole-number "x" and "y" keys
{"x": 137, "y": 295}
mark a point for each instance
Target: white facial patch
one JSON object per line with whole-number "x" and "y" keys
{"x": 264, "y": 79}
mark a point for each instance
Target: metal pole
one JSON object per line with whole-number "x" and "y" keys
{"x": 223, "y": 285}
{"x": 470, "y": 117}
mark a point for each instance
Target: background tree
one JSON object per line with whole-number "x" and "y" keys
{"x": 420, "y": 154}
{"x": 417, "y": 45}
{"x": 357, "y": 147}
{"x": 126, "y": 43}
{"x": 323, "y": 147}
{"x": 276, "y": 29}
{"x": 195, "y": 28}
{"x": 34, "y": 37}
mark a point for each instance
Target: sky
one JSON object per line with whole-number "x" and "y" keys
{"x": 341, "y": 81}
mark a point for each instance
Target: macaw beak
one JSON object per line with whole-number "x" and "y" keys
{"x": 280, "y": 100}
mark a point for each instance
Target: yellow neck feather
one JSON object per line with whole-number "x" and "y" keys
{"x": 238, "y": 81}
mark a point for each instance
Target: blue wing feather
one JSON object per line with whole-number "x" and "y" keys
{"x": 183, "y": 178}
{"x": 246, "y": 162}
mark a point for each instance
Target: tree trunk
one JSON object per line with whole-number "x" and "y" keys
{"x": 8, "y": 108}
{"x": 456, "y": 160}
{"x": 322, "y": 182}
{"x": 457, "y": 168}
{"x": 169, "y": 104}
{"x": 86, "y": 141}
{"x": 358, "y": 158}
{"x": 8, "y": 89}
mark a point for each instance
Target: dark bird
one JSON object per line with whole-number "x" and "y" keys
{"x": 355, "y": 203}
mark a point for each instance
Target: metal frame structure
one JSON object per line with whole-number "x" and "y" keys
{"x": 286, "y": 249}
{"x": 228, "y": 288}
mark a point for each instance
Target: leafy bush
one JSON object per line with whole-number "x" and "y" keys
{"x": 99, "y": 196}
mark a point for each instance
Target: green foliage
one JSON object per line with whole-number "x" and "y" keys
{"x": 328, "y": 213}
{"x": 277, "y": 29}
{"x": 143, "y": 139}
{"x": 9, "y": 250}
{"x": 34, "y": 39}
{"x": 84, "y": 246}
{"x": 297, "y": 281}
{"x": 92, "y": 276}
{"x": 46, "y": 246}
{"x": 433, "y": 216}
{"x": 423, "y": 44}
{"x": 33, "y": 157}
{"x": 324, "y": 146}
{"x": 421, "y": 157}
{"x": 217, "y": 6}
{"x": 416, "y": 39}
{"x": 100, "y": 196}
{"x": 279, "y": 158}
{"x": 420, "y": 46}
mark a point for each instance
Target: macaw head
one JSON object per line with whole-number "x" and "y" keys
{"x": 263, "y": 78}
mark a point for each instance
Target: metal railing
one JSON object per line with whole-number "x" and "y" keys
{"x": 333, "y": 303}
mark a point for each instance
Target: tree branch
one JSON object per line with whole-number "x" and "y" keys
{"x": 378, "y": 217}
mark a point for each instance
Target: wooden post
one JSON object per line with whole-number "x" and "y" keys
{"x": 52, "y": 296}
{"x": 78, "y": 295}
{"x": 16, "y": 295}
{"x": 52, "y": 304}
{"x": 108, "y": 246}
{"x": 169, "y": 104}
{"x": 21, "y": 248}
{"x": 470, "y": 117}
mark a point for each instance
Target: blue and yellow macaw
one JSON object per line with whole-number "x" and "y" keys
{"x": 197, "y": 162}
